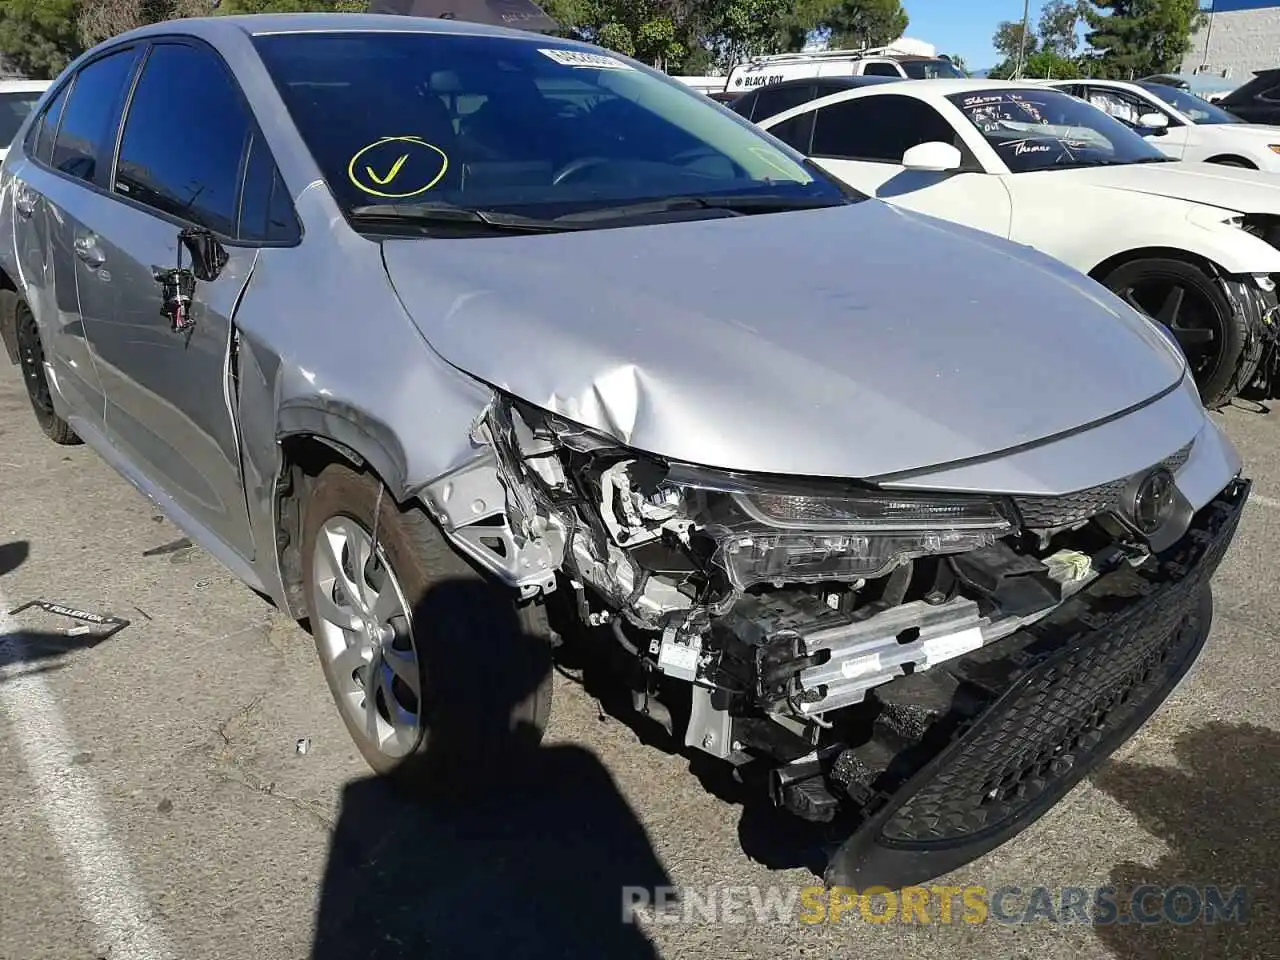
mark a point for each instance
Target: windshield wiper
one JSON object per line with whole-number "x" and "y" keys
{"x": 447, "y": 213}
{"x": 734, "y": 206}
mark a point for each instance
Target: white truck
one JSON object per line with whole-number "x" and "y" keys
{"x": 905, "y": 58}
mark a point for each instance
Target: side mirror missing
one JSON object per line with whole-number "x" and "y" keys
{"x": 1157, "y": 123}
{"x": 932, "y": 157}
{"x": 208, "y": 256}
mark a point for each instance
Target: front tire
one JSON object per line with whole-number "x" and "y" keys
{"x": 441, "y": 677}
{"x": 1191, "y": 305}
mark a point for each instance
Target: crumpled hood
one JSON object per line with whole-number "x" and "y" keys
{"x": 1212, "y": 184}
{"x": 847, "y": 342}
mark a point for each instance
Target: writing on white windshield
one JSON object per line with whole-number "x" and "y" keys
{"x": 1041, "y": 129}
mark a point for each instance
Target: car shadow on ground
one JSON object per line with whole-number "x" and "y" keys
{"x": 22, "y": 651}
{"x": 532, "y": 862}
{"x": 1217, "y": 812}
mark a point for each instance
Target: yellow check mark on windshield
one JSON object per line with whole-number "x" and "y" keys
{"x": 391, "y": 174}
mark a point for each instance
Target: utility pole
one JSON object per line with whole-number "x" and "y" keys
{"x": 1022, "y": 41}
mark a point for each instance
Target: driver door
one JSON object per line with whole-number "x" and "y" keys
{"x": 861, "y": 141}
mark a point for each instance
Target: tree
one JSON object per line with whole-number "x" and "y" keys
{"x": 1058, "y": 22}
{"x": 101, "y": 19}
{"x": 1134, "y": 38}
{"x": 959, "y": 61}
{"x": 38, "y": 37}
{"x": 1043, "y": 65}
{"x": 864, "y": 23}
{"x": 291, "y": 6}
{"x": 1008, "y": 40}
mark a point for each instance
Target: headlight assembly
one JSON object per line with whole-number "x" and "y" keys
{"x": 764, "y": 529}
{"x": 765, "y": 532}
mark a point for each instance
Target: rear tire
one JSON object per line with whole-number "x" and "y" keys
{"x": 1187, "y": 301}
{"x": 459, "y": 678}
{"x": 31, "y": 358}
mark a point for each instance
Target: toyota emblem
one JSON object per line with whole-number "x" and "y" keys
{"x": 1153, "y": 501}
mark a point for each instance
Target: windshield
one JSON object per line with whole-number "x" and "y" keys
{"x": 1043, "y": 129}
{"x": 1189, "y": 105}
{"x": 534, "y": 127}
{"x": 14, "y": 109}
{"x": 931, "y": 70}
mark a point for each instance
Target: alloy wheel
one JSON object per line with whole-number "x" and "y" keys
{"x": 1195, "y": 321}
{"x": 365, "y": 638}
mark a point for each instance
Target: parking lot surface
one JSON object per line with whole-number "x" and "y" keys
{"x": 185, "y": 788}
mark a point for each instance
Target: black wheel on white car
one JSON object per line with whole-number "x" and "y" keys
{"x": 1192, "y": 306}
{"x": 441, "y": 677}
{"x": 31, "y": 358}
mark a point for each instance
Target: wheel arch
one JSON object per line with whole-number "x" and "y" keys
{"x": 1101, "y": 270}
{"x": 1233, "y": 158}
{"x": 303, "y": 452}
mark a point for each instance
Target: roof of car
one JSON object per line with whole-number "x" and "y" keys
{"x": 260, "y": 24}
{"x": 1096, "y": 83}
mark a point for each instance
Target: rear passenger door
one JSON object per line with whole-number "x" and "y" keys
{"x": 73, "y": 155}
{"x": 862, "y": 140}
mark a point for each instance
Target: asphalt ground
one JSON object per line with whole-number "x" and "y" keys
{"x": 156, "y": 801}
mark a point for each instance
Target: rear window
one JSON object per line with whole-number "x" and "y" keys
{"x": 498, "y": 122}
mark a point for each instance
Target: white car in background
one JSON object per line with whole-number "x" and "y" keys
{"x": 17, "y": 98}
{"x": 1186, "y": 243}
{"x": 1181, "y": 124}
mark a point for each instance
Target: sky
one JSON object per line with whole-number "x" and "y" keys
{"x": 964, "y": 27}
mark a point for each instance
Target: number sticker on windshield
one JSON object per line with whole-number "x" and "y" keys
{"x": 397, "y": 167}
{"x": 581, "y": 58}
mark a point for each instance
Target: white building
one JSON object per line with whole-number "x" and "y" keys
{"x": 1241, "y": 36}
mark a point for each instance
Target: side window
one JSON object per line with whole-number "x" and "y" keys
{"x": 48, "y": 127}
{"x": 881, "y": 70}
{"x": 877, "y": 128}
{"x": 795, "y": 132}
{"x": 189, "y": 169}
{"x": 86, "y": 140}
{"x": 1270, "y": 95}
{"x": 266, "y": 212}
{"x": 1123, "y": 105}
{"x": 770, "y": 103}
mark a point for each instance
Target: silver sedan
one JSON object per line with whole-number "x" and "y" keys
{"x": 461, "y": 344}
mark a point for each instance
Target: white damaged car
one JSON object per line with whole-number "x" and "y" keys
{"x": 1192, "y": 245}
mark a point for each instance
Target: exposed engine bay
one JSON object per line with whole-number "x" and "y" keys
{"x": 786, "y": 605}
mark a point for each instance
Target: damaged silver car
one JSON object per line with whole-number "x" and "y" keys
{"x": 459, "y": 343}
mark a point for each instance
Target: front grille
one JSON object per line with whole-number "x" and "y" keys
{"x": 1045, "y": 513}
{"x": 1070, "y": 709}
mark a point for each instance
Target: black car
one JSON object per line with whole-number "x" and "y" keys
{"x": 770, "y": 100}
{"x": 1257, "y": 101}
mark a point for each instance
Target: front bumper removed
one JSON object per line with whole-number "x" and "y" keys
{"x": 968, "y": 754}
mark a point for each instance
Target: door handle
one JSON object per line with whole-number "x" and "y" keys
{"x": 87, "y": 249}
